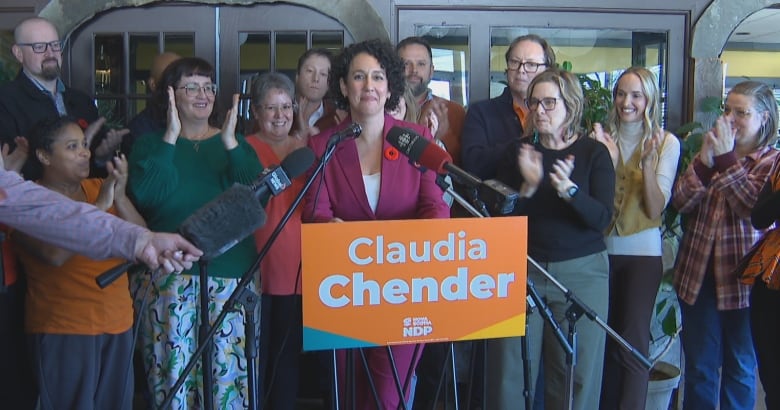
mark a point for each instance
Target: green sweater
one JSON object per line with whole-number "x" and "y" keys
{"x": 169, "y": 182}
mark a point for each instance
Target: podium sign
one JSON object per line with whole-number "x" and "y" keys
{"x": 379, "y": 283}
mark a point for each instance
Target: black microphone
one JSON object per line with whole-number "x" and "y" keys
{"x": 233, "y": 215}
{"x": 351, "y": 132}
{"x": 500, "y": 198}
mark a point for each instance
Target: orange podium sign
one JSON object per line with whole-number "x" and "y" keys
{"x": 380, "y": 283}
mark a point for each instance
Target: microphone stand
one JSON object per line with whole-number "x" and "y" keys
{"x": 245, "y": 294}
{"x": 575, "y": 311}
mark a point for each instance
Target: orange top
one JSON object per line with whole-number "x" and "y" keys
{"x": 66, "y": 299}
{"x": 522, "y": 113}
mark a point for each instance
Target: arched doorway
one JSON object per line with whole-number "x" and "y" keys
{"x": 710, "y": 35}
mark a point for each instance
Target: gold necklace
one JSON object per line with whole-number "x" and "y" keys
{"x": 198, "y": 139}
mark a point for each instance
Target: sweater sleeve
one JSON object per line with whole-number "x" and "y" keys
{"x": 244, "y": 164}
{"x": 76, "y": 226}
{"x": 153, "y": 175}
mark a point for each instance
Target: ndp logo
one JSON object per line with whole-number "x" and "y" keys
{"x": 417, "y": 326}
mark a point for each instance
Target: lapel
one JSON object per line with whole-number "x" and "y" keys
{"x": 348, "y": 165}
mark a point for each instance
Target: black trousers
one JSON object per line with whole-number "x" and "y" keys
{"x": 765, "y": 326}
{"x": 17, "y": 385}
{"x": 281, "y": 341}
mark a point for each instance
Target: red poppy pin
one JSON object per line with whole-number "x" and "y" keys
{"x": 82, "y": 123}
{"x": 391, "y": 153}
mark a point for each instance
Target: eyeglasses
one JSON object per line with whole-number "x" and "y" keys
{"x": 192, "y": 89}
{"x": 737, "y": 112}
{"x": 40, "y": 48}
{"x": 548, "y": 103}
{"x": 274, "y": 108}
{"x": 528, "y": 66}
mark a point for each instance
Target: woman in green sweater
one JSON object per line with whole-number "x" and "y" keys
{"x": 172, "y": 174}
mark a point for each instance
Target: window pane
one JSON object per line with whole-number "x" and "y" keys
{"x": 600, "y": 54}
{"x": 332, "y": 41}
{"x": 181, "y": 44}
{"x": 289, "y": 46}
{"x": 450, "y": 49}
{"x": 143, "y": 49}
{"x": 109, "y": 64}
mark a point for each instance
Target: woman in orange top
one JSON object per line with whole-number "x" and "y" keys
{"x": 80, "y": 335}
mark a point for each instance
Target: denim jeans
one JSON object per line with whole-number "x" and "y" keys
{"x": 715, "y": 339}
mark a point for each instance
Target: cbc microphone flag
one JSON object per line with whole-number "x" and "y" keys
{"x": 379, "y": 283}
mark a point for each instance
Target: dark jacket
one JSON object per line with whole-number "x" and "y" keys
{"x": 489, "y": 128}
{"x": 22, "y": 105}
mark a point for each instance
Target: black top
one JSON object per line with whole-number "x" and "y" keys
{"x": 767, "y": 208}
{"x": 23, "y": 104}
{"x": 489, "y": 128}
{"x": 560, "y": 230}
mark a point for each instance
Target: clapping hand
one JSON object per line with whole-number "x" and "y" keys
{"x": 14, "y": 160}
{"x": 603, "y": 137}
{"x": 559, "y": 177}
{"x": 173, "y": 130}
{"x": 529, "y": 161}
{"x": 229, "y": 126}
{"x": 650, "y": 150}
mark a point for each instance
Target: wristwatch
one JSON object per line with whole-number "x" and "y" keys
{"x": 570, "y": 192}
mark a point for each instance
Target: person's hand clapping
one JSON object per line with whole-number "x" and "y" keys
{"x": 529, "y": 161}
{"x": 173, "y": 129}
{"x": 229, "y": 126}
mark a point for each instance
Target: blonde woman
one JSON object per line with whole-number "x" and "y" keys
{"x": 645, "y": 158}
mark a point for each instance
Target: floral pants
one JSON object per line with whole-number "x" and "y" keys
{"x": 168, "y": 338}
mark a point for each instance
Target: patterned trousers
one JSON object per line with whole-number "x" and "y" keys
{"x": 169, "y": 337}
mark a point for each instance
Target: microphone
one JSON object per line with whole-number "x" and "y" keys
{"x": 238, "y": 212}
{"x": 351, "y": 132}
{"x": 429, "y": 155}
{"x": 233, "y": 215}
{"x": 501, "y": 199}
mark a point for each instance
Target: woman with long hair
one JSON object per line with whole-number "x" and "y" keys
{"x": 646, "y": 165}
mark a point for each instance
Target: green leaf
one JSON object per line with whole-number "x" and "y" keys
{"x": 669, "y": 322}
{"x": 566, "y": 66}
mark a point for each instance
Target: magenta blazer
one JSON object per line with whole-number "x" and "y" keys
{"x": 404, "y": 193}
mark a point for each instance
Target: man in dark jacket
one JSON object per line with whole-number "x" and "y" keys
{"x": 38, "y": 92}
{"x": 492, "y": 124}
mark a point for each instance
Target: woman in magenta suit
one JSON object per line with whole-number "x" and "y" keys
{"x": 367, "y": 179}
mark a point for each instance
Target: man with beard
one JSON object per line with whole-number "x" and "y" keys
{"x": 491, "y": 125}
{"x": 418, "y": 65}
{"x": 38, "y": 92}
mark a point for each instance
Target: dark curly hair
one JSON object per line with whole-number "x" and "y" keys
{"x": 183, "y": 67}
{"x": 388, "y": 60}
{"x": 41, "y": 137}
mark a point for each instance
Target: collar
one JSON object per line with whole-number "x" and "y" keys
{"x": 428, "y": 97}
{"x": 60, "y": 85}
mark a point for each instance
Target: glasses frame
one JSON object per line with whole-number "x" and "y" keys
{"x": 524, "y": 65}
{"x": 281, "y": 108}
{"x": 737, "y": 112}
{"x": 40, "y": 48}
{"x": 209, "y": 90}
{"x": 534, "y": 103}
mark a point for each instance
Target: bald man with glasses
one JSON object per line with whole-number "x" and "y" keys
{"x": 38, "y": 93}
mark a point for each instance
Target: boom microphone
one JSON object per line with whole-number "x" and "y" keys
{"x": 500, "y": 198}
{"x": 234, "y": 214}
{"x": 351, "y": 132}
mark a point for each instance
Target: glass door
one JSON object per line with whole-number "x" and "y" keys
{"x": 599, "y": 44}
